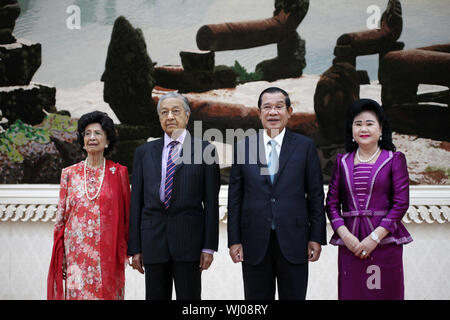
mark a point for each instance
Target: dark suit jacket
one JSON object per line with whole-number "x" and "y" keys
{"x": 192, "y": 221}
{"x": 295, "y": 200}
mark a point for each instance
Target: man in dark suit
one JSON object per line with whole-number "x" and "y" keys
{"x": 174, "y": 216}
{"x": 276, "y": 219}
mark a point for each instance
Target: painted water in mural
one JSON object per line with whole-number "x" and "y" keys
{"x": 76, "y": 57}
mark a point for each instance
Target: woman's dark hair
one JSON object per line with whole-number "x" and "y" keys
{"x": 287, "y": 100}
{"x": 368, "y": 105}
{"x": 107, "y": 125}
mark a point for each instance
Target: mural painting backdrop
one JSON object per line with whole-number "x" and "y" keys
{"x": 60, "y": 59}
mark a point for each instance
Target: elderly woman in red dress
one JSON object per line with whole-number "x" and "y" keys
{"x": 368, "y": 196}
{"x": 91, "y": 229}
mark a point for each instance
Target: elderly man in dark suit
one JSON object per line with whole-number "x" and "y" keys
{"x": 174, "y": 212}
{"x": 276, "y": 218}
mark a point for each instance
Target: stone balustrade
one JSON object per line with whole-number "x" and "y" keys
{"x": 20, "y": 203}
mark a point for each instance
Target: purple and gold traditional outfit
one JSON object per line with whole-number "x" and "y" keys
{"x": 363, "y": 197}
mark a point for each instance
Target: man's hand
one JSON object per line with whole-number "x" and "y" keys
{"x": 136, "y": 262}
{"x": 236, "y": 253}
{"x": 314, "y": 249}
{"x": 205, "y": 261}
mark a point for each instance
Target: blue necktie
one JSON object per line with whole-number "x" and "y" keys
{"x": 273, "y": 161}
{"x": 170, "y": 170}
{"x": 273, "y": 167}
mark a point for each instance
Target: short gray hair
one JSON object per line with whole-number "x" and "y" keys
{"x": 176, "y": 95}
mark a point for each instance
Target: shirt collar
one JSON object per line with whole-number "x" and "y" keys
{"x": 180, "y": 139}
{"x": 278, "y": 139}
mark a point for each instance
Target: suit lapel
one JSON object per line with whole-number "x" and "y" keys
{"x": 286, "y": 152}
{"x": 261, "y": 156}
{"x": 261, "y": 151}
{"x": 188, "y": 146}
{"x": 157, "y": 158}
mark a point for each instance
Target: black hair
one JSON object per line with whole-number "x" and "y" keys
{"x": 368, "y": 105}
{"x": 107, "y": 125}
{"x": 275, "y": 90}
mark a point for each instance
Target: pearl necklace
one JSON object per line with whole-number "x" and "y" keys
{"x": 368, "y": 160}
{"x": 101, "y": 180}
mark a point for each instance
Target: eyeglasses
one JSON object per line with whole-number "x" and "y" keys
{"x": 268, "y": 108}
{"x": 175, "y": 113}
{"x": 95, "y": 133}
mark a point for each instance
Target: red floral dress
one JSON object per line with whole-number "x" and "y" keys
{"x": 94, "y": 233}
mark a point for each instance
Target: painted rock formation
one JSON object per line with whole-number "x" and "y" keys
{"x": 279, "y": 29}
{"x": 378, "y": 41}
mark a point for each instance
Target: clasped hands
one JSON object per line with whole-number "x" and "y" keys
{"x": 361, "y": 249}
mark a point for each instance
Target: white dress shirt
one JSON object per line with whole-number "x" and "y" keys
{"x": 278, "y": 139}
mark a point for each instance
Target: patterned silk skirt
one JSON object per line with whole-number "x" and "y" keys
{"x": 379, "y": 277}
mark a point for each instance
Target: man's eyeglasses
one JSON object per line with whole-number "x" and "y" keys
{"x": 268, "y": 108}
{"x": 165, "y": 113}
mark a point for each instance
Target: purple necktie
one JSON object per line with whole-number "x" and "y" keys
{"x": 170, "y": 170}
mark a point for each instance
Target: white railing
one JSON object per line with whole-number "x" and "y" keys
{"x": 38, "y": 202}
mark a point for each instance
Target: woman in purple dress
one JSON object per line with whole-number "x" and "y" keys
{"x": 367, "y": 197}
